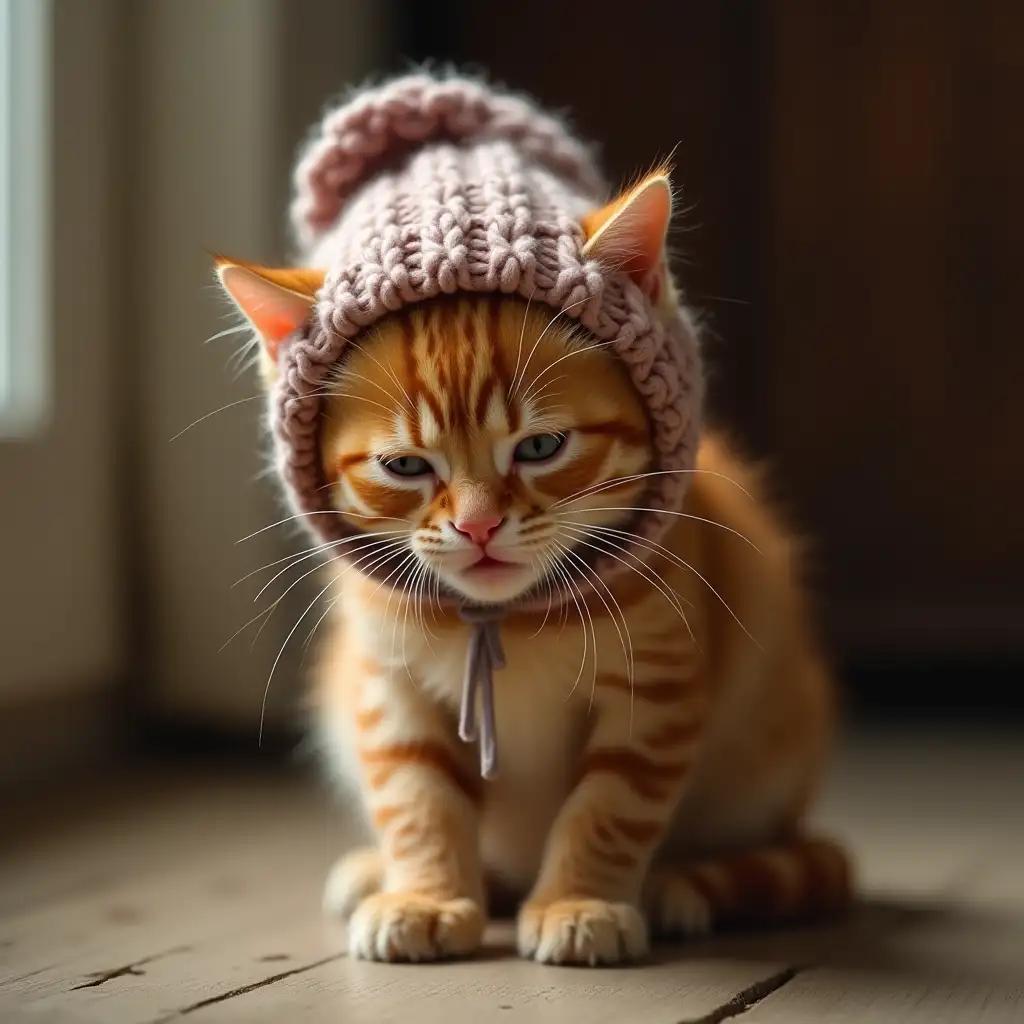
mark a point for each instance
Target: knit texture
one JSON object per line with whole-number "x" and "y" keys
{"x": 429, "y": 186}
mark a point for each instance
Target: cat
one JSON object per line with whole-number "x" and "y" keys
{"x": 661, "y": 737}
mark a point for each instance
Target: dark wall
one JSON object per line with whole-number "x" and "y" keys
{"x": 854, "y": 221}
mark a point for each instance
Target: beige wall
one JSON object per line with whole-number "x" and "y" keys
{"x": 226, "y": 90}
{"x": 175, "y": 128}
{"x": 60, "y": 557}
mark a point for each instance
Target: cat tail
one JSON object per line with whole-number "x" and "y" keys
{"x": 380, "y": 127}
{"x": 800, "y": 879}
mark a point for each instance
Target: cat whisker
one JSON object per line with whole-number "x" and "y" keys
{"x": 387, "y": 608}
{"x": 437, "y": 596}
{"x": 543, "y": 393}
{"x": 390, "y": 553}
{"x": 223, "y": 408}
{"x": 266, "y": 613}
{"x": 430, "y": 598}
{"x": 287, "y": 558}
{"x": 419, "y": 622}
{"x": 360, "y": 398}
{"x": 589, "y": 346}
{"x": 405, "y": 622}
{"x": 291, "y": 633}
{"x": 371, "y": 538}
{"x": 374, "y": 550}
{"x": 535, "y": 393}
{"x": 347, "y": 375}
{"x": 517, "y": 382}
{"x": 297, "y": 556}
{"x": 411, "y": 599}
{"x": 407, "y": 398}
{"x": 241, "y": 629}
{"x": 273, "y": 668}
{"x": 326, "y": 391}
{"x": 522, "y": 333}
{"x": 660, "y": 549}
{"x": 318, "y": 512}
{"x": 553, "y": 419}
{"x": 668, "y": 512}
{"x": 387, "y": 579}
{"x": 551, "y": 593}
{"x": 723, "y": 298}
{"x": 626, "y": 640}
{"x": 573, "y": 590}
{"x": 563, "y": 619}
{"x": 593, "y": 489}
{"x": 419, "y": 592}
{"x": 406, "y": 565}
{"x": 316, "y": 626}
{"x": 582, "y": 529}
{"x": 673, "y": 597}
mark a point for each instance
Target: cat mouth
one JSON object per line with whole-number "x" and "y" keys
{"x": 487, "y": 562}
{"x": 487, "y": 566}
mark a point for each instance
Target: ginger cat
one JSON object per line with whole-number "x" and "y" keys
{"x": 660, "y": 739}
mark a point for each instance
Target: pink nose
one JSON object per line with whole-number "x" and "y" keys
{"x": 479, "y": 529}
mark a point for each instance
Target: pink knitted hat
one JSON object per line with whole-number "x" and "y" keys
{"x": 428, "y": 186}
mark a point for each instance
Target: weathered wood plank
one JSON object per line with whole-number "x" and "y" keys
{"x": 505, "y": 989}
{"x": 842, "y": 997}
{"x": 197, "y": 899}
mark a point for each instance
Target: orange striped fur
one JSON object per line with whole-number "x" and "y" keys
{"x": 659, "y": 741}
{"x": 662, "y": 791}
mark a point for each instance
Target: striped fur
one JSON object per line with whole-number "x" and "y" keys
{"x": 657, "y": 755}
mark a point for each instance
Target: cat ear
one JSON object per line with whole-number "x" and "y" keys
{"x": 276, "y": 302}
{"x": 629, "y": 233}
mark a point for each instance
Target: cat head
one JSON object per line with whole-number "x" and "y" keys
{"x": 481, "y": 441}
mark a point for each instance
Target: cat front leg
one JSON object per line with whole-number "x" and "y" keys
{"x": 585, "y": 906}
{"x": 422, "y": 800}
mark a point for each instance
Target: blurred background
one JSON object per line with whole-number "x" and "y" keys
{"x": 854, "y": 221}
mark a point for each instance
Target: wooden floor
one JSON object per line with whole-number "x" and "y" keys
{"x": 195, "y": 896}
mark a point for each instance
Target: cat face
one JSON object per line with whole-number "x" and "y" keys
{"x": 476, "y": 431}
{"x": 476, "y": 436}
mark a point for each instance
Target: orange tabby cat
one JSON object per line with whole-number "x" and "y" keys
{"x": 660, "y": 739}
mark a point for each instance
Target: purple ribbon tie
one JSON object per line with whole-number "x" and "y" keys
{"x": 483, "y": 656}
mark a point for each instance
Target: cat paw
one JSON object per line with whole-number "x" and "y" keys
{"x": 675, "y": 907}
{"x": 581, "y": 931}
{"x": 353, "y": 877}
{"x": 398, "y": 926}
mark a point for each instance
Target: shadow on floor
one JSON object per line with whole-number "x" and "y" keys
{"x": 920, "y": 942}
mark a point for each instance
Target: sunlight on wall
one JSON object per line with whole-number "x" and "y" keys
{"x": 24, "y": 208}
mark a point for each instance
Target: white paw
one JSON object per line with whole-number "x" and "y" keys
{"x": 581, "y": 931}
{"x": 675, "y": 907}
{"x": 404, "y": 926}
{"x": 353, "y": 877}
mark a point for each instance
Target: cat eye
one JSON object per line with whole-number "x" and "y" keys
{"x": 408, "y": 465}
{"x": 538, "y": 447}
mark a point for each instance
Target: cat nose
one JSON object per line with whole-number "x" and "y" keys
{"x": 480, "y": 528}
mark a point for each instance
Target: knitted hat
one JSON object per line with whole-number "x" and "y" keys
{"x": 428, "y": 186}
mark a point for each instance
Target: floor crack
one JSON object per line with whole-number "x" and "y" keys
{"x": 98, "y": 978}
{"x": 748, "y": 998}
{"x": 221, "y": 997}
